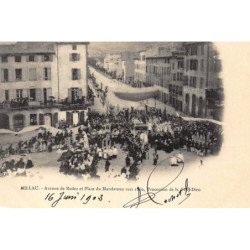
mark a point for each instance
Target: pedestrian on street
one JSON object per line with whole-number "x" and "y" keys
{"x": 107, "y": 165}
{"x": 155, "y": 158}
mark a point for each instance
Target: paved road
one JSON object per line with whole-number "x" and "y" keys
{"x": 115, "y": 85}
{"x": 112, "y": 86}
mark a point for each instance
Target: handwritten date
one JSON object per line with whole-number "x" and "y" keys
{"x": 83, "y": 198}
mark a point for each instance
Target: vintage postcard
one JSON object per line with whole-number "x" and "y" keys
{"x": 124, "y": 124}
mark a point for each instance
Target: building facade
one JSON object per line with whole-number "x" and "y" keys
{"x": 188, "y": 78}
{"x": 140, "y": 69}
{"x": 113, "y": 65}
{"x": 35, "y": 77}
{"x": 176, "y": 61}
{"x": 128, "y": 66}
{"x": 201, "y": 78}
{"x": 158, "y": 73}
{"x": 128, "y": 69}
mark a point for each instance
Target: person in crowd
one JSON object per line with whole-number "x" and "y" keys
{"x": 20, "y": 164}
{"x": 107, "y": 165}
{"x": 173, "y": 161}
{"x": 29, "y": 164}
{"x": 180, "y": 157}
{"x": 115, "y": 152}
{"x": 127, "y": 160}
{"x": 155, "y": 158}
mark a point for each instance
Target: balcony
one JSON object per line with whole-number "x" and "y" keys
{"x": 25, "y": 104}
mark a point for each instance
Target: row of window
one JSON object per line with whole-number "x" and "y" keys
{"x": 36, "y": 119}
{"x": 177, "y": 76}
{"x": 157, "y": 81}
{"x": 175, "y": 89}
{"x": 158, "y": 70}
{"x": 193, "y": 64}
{"x": 32, "y": 74}
{"x": 19, "y": 120}
{"x": 180, "y": 65}
{"x": 165, "y": 70}
{"x": 44, "y": 58}
{"x": 194, "y": 49}
{"x": 157, "y": 60}
{"x": 29, "y": 58}
{"x": 192, "y": 81}
{"x": 32, "y": 94}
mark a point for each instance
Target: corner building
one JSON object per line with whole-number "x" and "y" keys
{"x": 201, "y": 78}
{"x": 37, "y": 79}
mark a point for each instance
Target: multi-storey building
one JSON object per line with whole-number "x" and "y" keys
{"x": 164, "y": 69}
{"x": 128, "y": 69}
{"x": 128, "y": 66}
{"x": 176, "y": 83}
{"x": 158, "y": 74}
{"x": 201, "y": 78}
{"x": 37, "y": 77}
{"x": 113, "y": 65}
{"x": 140, "y": 69}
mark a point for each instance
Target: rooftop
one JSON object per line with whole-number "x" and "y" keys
{"x": 166, "y": 55}
{"x": 31, "y": 47}
{"x": 27, "y": 47}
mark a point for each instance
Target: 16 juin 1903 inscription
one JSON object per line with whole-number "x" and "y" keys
{"x": 118, "y": 124}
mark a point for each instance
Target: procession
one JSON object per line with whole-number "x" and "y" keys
{"x": 138, "y": 135}
{"x": 106, "y": 127}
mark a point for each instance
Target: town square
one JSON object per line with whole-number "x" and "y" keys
{"x": 92, "y": 111}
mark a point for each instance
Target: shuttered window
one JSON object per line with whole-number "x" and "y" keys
{"x": 76, "y": 74}
{"x": 47, "y": 74}
{"x": 18, "y": 73}
{"x": 5, "y": 75}
{"x": 32, "y": 95}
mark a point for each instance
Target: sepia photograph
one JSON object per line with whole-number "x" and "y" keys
{"x": 96, "y": 113}
{"x": 124, "y": 124}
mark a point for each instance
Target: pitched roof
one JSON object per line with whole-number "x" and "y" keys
{"x": 27, "y": 47}
{"x": 31, "y": 47}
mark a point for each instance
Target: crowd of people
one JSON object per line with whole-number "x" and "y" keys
{"x": 137, "y": 134}
{"x": 15, "y": 167}
{"x": 108, "y": 133}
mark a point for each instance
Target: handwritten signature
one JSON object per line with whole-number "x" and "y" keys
{"x": 149, "y": 196}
